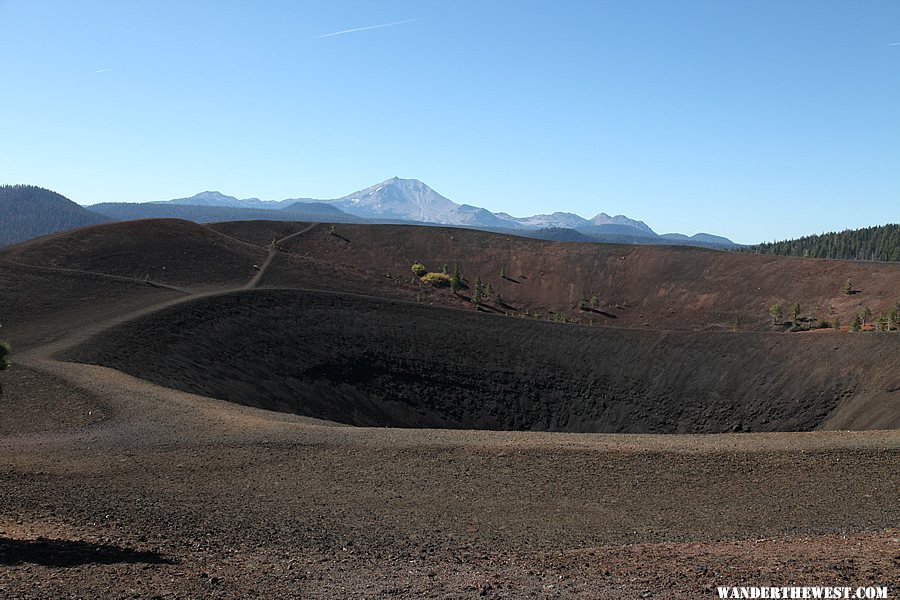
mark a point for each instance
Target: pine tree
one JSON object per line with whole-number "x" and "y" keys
{"x": 894, "y": 317}
{"x": 871, "y": 243}
{"x": 478, "y": 291}
{"x": 456, "y": 278}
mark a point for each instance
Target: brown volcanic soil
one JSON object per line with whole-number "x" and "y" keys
{"x": 41, "y": 305}
{"x": 665, "y": 287}
{"x": 656, "y": 287}
{"x": 159, "y": 493}
{"x": 372, "y": 362}
{"x": 168, "y": 251}
{"x": 33, "y": 401}
{"x": 178, "y": 496}
{"x": 261, "y": 233}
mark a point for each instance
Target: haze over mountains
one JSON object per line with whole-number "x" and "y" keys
{"x": 410, "y": 200}
{"x": 27, "y": 212}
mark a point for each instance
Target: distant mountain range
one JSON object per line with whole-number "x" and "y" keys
{"x": 216, "y": 213}
{"x": 28, "y": 211}
{"x": 411, "y": 201}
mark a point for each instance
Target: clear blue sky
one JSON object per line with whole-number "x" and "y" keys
{"x": 755, "y": 120}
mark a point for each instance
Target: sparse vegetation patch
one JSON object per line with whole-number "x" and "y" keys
{"x": 436, "y": 279}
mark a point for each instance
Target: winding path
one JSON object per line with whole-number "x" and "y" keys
{"x": 108, "y": 383}
{"x": 273, "y": 250}
{"x": 99, "y": 274}
{"x": 141, "y": 407}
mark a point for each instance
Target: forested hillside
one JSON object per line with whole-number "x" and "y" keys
{"x": 28, "y": 211}
{"x": 870, "y": 243}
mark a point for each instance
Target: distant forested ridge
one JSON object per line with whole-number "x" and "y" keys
{"x": 28, "y": 211}
{"x": 871, "y": 243}
{"x": 300, "y": 211}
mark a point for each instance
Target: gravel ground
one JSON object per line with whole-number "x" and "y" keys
{"x": 114, "y": 487}
{"x": 173, "y": 495}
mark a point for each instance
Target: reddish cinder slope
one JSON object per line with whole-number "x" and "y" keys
{"x": 659, "y": 287}
{"x": 261, "y": 233}
{"x": 655, "y": 287}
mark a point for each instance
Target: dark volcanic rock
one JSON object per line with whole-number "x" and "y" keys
{"x": 366, "y": 361}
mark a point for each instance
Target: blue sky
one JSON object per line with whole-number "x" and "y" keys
{"x": 755, "y": 120}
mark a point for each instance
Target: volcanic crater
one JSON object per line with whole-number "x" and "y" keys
{"x": 369, "y": 361}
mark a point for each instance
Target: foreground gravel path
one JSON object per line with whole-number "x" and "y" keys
{"x": 114, "y": 487}
{"x": 169, "y": 494}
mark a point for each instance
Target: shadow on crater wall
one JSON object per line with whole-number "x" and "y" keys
{"x": 372, "y": 362}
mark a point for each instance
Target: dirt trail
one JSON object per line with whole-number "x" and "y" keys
{"x": 47, "y": 351}
{"x": 165, "y": 412}
{"x": 98, "y": 274}
{"x": 273, "y": 250}
{"x": 169, "y": 493}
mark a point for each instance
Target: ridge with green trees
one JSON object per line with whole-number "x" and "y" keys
{"x": 27, "y": 212}
{"x": 870, "y": 243}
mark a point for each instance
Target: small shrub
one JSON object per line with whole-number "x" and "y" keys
{"x": 583, "y": 303}
{"x": 419, "y": 269}
{"x": 436, "y": 279}
{"x": 776, "y": 313}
